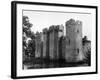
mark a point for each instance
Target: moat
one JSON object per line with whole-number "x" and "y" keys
{"x": 38, "y": 64}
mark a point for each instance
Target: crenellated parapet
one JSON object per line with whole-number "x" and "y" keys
{"x": 70, "y": 22}
{"x": 73, "y": 22}
{"x": 45, "y": 30}
{"x": 51, "y": 28}
{"x": 55, "y": 28}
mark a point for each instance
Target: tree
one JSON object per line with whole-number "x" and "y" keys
{"x": 87, "y": 50}
{"x": 28, "y": 47}
{"x": 84, "y": 40}
{"x": 26, "y": 26}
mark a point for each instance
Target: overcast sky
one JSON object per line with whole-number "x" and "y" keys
{"x": 42, "y": 20}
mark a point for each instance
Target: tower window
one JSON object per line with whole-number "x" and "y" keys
{"x": 77, "y": 31}
{"x": 78, "y": 51}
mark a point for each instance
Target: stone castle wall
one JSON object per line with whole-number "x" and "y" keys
{"x": 38, "y": 50}
{"x": 73, "y": 40}
{"x": 45, "y": 43}
{"x": 56, "y": 45}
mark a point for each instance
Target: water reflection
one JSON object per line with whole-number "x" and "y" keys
{"x": 52, "y": 65}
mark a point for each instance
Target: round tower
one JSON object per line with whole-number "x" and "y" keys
{"x": 73, "y": 41}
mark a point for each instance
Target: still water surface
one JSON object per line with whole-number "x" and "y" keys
{"x": 50, "y": 65}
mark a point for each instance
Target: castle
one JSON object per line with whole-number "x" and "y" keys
{"x": 53, "y": 44}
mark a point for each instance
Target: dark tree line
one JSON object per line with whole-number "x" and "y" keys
{"x": 88, "y": 52}
{"x": 28, "y": 46}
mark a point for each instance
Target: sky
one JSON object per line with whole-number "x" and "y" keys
{"x": 43, "y": 19}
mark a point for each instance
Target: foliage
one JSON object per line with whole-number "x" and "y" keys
{"x": 87, "y": 51}
{"x": 28, "y": 45}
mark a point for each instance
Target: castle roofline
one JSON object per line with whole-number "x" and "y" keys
{"x": 55, "y": 27}
{"x": 73, "y": 22}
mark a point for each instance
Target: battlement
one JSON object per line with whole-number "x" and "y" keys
{"x": 70, "y": 22}
{"x": 73, "y": 22}
{"x": 51, "y": 28}
{"x": 56, "y": 28}
{"x": 45, "y": 30}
